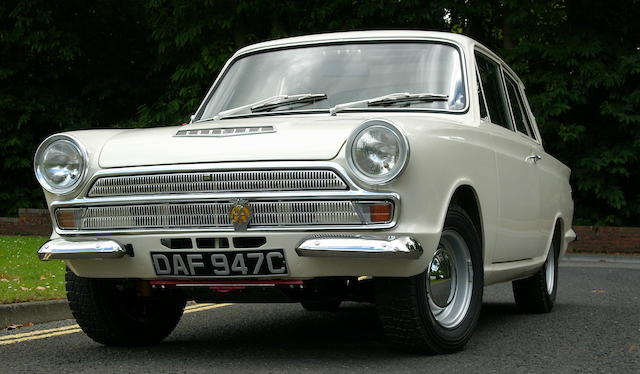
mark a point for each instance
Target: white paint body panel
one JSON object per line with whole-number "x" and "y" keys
{"x": 295, "y": 138}
{"x": 519, "y": 201}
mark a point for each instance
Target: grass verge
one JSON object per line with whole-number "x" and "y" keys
{"x": 23, "y": 277}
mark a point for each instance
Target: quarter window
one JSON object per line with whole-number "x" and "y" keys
{"x": 491, "y": 79}
{"x": 483, "y": 106}
{"x": 517, "y": 107}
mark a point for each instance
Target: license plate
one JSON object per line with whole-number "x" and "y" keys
{"x": 221, "y": 264}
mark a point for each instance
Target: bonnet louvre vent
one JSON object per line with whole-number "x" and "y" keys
{"x": 226, "y": 131}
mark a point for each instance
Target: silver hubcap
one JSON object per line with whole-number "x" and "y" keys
{"x": 450, "y": 280}
{"x": 550, "y": 270}
{"x": 442, "y": 276}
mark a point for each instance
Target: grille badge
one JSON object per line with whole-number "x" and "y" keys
{"x": 240, "y": 214}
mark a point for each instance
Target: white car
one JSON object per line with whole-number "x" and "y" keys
{"x": 403, "y": 168}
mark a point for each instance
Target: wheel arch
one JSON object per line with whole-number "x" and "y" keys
{"x": 557, "y": 232}
{"x": 466, "y": 197}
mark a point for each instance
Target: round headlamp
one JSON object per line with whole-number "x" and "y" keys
{"x": 377, "y": 152}
{"x": 60, "y": 164}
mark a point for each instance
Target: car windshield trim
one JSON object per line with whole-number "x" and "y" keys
{"x": 373, "y": 109}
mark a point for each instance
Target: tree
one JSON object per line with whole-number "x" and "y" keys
{"x": 76, "y": 65}
{"x": 65, "y": 65}
{"x": 580, "y": 61}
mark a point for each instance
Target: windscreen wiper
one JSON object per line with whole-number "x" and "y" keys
{"x": 288, "y": 100}
{"x": 394, "y": 98}
{"x": 272, "y": 102}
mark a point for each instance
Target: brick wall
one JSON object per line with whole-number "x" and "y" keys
{"x": 590, "y": 238}
{"x": 606, "y": 239}
{"x": 28, "y": 222}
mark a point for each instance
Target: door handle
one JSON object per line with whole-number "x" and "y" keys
{"x": 534, "y": 157}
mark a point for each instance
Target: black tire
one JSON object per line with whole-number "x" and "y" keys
{"x": 111, "y": 312}
{"x": 321, "y": 305}
{"x": 532, "y": 294}
{"x": 404, "y": 307}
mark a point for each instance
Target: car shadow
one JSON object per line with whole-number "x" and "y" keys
{"x": 352, "y": 333}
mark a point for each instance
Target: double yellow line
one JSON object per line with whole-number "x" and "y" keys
{"x": 202, "y": 307}
{"x": 38, "y": 334}
{"x": 72, "y": 329}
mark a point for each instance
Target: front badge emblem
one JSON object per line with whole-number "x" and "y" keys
{"x": 240, "y": 214}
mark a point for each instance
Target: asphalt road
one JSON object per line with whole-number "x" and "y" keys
{"x": 595, "y": 327}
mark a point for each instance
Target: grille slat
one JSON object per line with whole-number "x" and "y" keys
{"x": 218, "y": 181}
{"x": 265, "y": 213}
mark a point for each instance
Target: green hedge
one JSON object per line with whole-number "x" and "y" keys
{"x": 73, "y": 64}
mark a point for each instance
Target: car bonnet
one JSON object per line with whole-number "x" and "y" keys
{"x": 317, "y": 137}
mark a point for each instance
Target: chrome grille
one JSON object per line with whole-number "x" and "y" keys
{"x": 218, "y": 181}
{"x": 215, "y": 215}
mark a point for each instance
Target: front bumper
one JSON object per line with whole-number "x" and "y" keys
{"x": 356, "y": 246}
{"x": 354, "y": 254}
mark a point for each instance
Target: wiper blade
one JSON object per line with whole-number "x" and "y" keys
{"x": 289, "y": 100}
{"x": 394, "y": 98}
{"x": 270, "y": 103}
{"x": 407, "y": 97}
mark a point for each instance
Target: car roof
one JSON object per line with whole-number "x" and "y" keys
{"x": 350, "y": 36}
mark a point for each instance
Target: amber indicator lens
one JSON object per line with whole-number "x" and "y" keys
{"x": 381, "y": 212}
{"x": 68, "y": 218}
{"x": 375, "y": 211}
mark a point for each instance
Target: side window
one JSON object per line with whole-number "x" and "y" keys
{"x": 517, "y": 107}
{"x": 491, "y": 79}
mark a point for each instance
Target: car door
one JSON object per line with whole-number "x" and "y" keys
{"x": 553, "y": 176}
{"x": 518, "y": 184}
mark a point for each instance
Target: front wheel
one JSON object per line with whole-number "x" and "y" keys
{"x": 112, "y": 312}
{"x": 436, "y": 311}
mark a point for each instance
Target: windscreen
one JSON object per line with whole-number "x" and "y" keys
{"x": 344, "y": 73}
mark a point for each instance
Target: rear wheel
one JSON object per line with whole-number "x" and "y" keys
{"x": 112, "y": 312}
{"x": 537, "y": 294}
{"x": 436, "y": 311}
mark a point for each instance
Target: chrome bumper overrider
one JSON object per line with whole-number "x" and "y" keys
{"x": 360, "y": 246}
{"x": 60, "y": 249}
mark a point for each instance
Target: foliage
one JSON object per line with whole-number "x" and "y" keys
{"x": 585, "y": 88}
{"x": 66, "y": 65}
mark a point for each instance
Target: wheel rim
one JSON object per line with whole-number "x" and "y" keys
{"x": 450, "y": 280}
{"x": 550, "y": 270}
